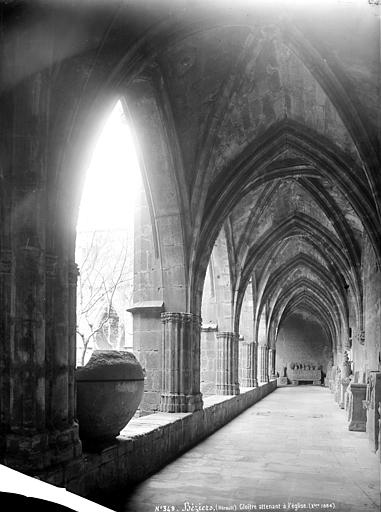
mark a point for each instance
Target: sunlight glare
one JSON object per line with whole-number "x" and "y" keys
{"x": 112, "y": 179}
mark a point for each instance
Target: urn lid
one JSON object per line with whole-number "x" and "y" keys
{"x": 110, "y": 365}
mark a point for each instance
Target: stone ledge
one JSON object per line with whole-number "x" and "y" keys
{"x": 149, "y": 443}
{"x": 147, "y": 306}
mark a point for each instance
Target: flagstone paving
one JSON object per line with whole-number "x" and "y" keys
{"x": 291, "y": 451}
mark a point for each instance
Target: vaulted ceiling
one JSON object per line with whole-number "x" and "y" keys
{"x": 271, "y": 124}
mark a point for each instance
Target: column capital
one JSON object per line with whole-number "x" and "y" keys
{"x": 228, "y": 335}
{"x": 247, "y": 342}
{"x": 181, "y": 318}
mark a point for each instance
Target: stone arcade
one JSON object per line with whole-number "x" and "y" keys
{"x": 257, "y": 235}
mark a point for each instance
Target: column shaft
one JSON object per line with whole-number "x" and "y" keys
{"x": 227, "y": 364}
{"x": 271, "y": 368}
{"x": 263, "y": 363}
{"x": 180, "y": 362}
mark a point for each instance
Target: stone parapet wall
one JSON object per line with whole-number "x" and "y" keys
{"x": 149, "y": 443}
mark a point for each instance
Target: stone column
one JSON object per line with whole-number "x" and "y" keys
{"x": 42, "y": 430}
{"x": 248, "y": 357}
{"x": 263, "y": 361}
{"x": 227, "y": 363}
{"x": 26, "y": 438}
{"x": 180, "y": 363}
{"x": 271, "y": 367}
{"x": 38, "y": 345}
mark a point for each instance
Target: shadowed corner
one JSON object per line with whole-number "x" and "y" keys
{"x": 19, "y": 502}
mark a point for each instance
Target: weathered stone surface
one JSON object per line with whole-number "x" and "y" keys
{"x": 356, "y": 412}
{"x": 110, "y": 365}
{"x": 109, "y": 390}
{"x": 373, "y": 397}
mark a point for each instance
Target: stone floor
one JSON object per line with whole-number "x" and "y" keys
{"x": 291, "y": 451}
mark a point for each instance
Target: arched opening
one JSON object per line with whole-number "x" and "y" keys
{"x": 257, "y": 131}
{"x": 105, "y": 241}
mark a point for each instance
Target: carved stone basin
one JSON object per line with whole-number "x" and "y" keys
{"x": 109, "y": 390}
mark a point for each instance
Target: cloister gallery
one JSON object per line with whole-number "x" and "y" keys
{"x": 257, "y": 243}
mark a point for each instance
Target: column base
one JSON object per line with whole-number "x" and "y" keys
{"x": 227, "y": 389}
{"x": 180, "y": 403}
{"x": 36, "y": 451}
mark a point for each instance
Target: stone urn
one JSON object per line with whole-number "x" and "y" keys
{"x": 109, "y": 390}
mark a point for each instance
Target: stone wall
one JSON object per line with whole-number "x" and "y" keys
{"x": 300, "y": 340}
{"x": 147, "y": 349}
{"x": 208, "y": 360}
{"x": 372, "y": 311}
{"x": 149, "y": 443}
{"x": 147, "y": 306}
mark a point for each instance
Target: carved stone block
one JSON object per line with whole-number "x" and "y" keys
{"x": 305, "y": 375}
{"x": 373, "y": 397}
{"x": 282, "y": 381}
{"x": 356, "y": 413}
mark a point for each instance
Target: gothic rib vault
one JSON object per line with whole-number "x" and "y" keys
{"x": 258, "y": 132}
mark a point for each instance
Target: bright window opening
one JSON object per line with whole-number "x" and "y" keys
{"x": 104, "y": 249}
